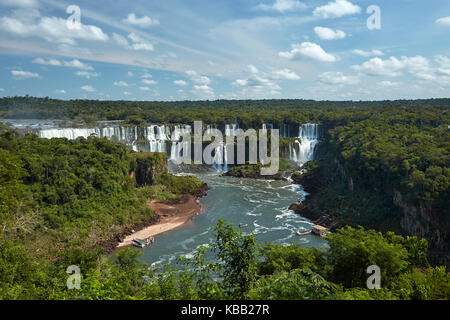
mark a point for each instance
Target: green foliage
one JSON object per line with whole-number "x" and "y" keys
{"x": 237, "y": 254}
{"x": 297, "y": 284}
{"x": 179, "y": 184}
{"x": 352, "y": 251}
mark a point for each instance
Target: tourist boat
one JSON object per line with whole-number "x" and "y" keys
{"x": 320, "y": 230}
{"x": 303, "y": 233}
{"x": 142, "y": 243}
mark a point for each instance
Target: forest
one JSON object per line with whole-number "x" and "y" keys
{"x": 59, "y": 198}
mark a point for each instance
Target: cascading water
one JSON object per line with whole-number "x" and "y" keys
{"x": 302, "y": 151}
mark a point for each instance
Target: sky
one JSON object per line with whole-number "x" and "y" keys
{"x": 225, "y": 49}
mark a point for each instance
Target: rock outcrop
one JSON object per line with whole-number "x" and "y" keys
{"x": 148, "y": 166}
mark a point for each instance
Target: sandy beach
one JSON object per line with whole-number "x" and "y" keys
{"x": 171, "y": 216}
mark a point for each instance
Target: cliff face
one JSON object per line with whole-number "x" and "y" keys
{"x": 148, "y": 166}
{"x": 419, "y": 220}
{"x": 413, "y": 217}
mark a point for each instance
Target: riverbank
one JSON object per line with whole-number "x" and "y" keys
{"x": 168, "y": 215}
{"x": 171, "y": 215}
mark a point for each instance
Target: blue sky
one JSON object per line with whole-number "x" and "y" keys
{"x": 225, "y": 49}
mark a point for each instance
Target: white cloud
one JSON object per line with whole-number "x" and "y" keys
{"x": 309, "y": 50}
{"x": 204, "y": 91}
{"x": 180, "y": 83}
{"x": 444, "y": 21}
{"x": 75, "y": 63}
{"x": 120, "y": 84}
{"x": 87, "y": 74}
{"x": 197, "y": 78}
{"x": 368, "y": 53}
{"x": 139, "y": 43}
{"x": 282, "y": 6}
{"x": 285, "y": 74}
{"x": 144, "y": 88}
{"x": 393, "y": 67}
{"x": 252, "y": 69}
{"x": 337, "y": 78}
{"x": 146, "y": 75}
{"x": 444, "y": 65}
{"x": 1, "y": 89}
{"x": 388, "y": 83}
{"x": 19, "y": 74}
{"x": 52, "y": 29}
{"x": 49, "y": 62}
{"x": 329, "y": 34}
{"x": 61, "y": 91}
{"x": 379, "y": 67}
{"x": 120, "y": 40}
{"x": 143, "y": 22}
{"x": 146, "y": 81}
{"x": 88, "y": 88}
{"x": 336, "y": 9}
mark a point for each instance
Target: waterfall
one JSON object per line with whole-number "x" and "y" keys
{"x": 218, "y": 158}
{"x": 302, "y": 151}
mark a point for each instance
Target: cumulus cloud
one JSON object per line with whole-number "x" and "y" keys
{"x": 146, "y": 81}
{"x": 204, "y": 91}
{"x": 144, "y": 88}
{"x": 443, "y": 21}
{"x": 136, "y": 42}
{"x": 260, "y": 84}
{"x": 52, "y": 29}
{"x": 285, "y": 74}
{"x": 252, "y": 68}
{"x": 282, "y": 6}
{"x": 61, "y": 91}
{"x": 139, "y": 43}
{"x": 180, "y": 83}
{"x": 308, "y": 50}
{"x": 87, "y": 74}
{"x": 337, "y": 78}
{"x": 19, "y": 74}
{"x": 329, "y": 34}
{"x": 88, "y": 88}
{"x": 120, "y": 84}
{"x": 418, "y": 66}
{"x": 197, "y": 78}
{"x": 388, "y": 83}
{"x": 378, "y": 67}
{"x": 368, "y": 53}
{"x": 75, "y": 63}
{"x": 336, "y": 9}
{"x": 142, "y": 22}
{"x": 120, "y": 40}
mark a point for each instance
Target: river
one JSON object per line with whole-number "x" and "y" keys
{"x": 262, "y": 204}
